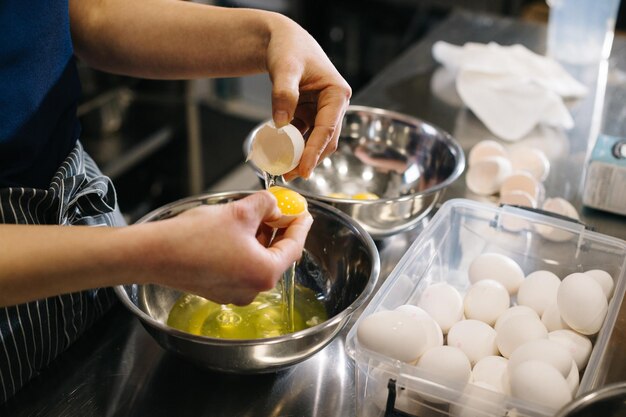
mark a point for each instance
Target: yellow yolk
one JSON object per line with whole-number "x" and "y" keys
{"x": 338, "y": 195}
{"x": 290, "y": 202}
{"x": 365, "y": 196}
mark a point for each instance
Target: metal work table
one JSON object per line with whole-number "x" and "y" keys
{"x": 117, "y": 369}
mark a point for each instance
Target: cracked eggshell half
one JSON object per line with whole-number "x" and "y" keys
{"x": 277, "y": 150}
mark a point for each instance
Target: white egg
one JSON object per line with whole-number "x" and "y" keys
{"x": 538, "y": 291}
{"x": 394, "y": 334}
{"x": 486, "y": 300}
{"x": 276, "y": 151}
{"x": 544, "y": 350}
{"x": 604, "y": 279}
{"x": 498, "y": 267}
{"x": 478, "y": 401}
{"x": 486, "y": 176}
{"x": 447, "y": 362}
{"x": 490, "y": 370}
{"x": 576, "y": 344}
{"x": 582, "y": 303}
{"x": 434, "y": 335}
{"x": 537, "y": 382}
{"x": 532, "y": 160}
{"x": 522, "y": 181}
{"x": 485, "y": 149}
{"x": 573, "y": 378}
{"x": 444, "y": 304}
{"x": 518, "y": 330}
{"x": 562, "y": 207}
{"x": 514, "y": 311}
{"x": 475, "y": 338}
{"x": 551, "y": 318}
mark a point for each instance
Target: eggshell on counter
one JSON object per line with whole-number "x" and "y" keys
{"x": 537, "y": 382}
{"x": 538, "y": 290}
{"x": 485, "y": 149}
{"x": 518, "y": 330}
{"x": 475, "y": 338}
{"x": 532, "y": 160}
{"x": 497, "y": 267}
{"x": 525, "y": 182}
{"x": 486, "y": 300}
{"x": 485, "y": 176}
{"x": 562, "y": 207}
{"x": 490, "y": 370}
{"x": 444, "y": 304}
{"x": 578, "y": 345}
{"x": 582, "y": 303}
{"x": 543, "y": 350}
{"x": 394, "y": 334}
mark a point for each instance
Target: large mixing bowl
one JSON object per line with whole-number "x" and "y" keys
{"x": 405, "y": 161}
{"x": 340, "y": 261}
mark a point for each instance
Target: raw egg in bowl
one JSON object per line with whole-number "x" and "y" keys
{"x": 340, "y": 265}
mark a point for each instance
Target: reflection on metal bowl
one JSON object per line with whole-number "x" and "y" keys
{"x": 607, "y": 401}
{"x": 340, "y": 261}
{"x": 406, "y": 162}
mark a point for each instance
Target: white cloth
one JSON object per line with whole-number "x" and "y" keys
{"x": 510, "y": 88}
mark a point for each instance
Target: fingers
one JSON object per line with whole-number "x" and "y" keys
{"x": 285, "y": 92}
{"x": 288, "y": 248}
{"x": 257, "y": 208}
{"x": 322, "y": 141}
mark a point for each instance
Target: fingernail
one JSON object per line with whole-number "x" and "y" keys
{"x": 281, "y": 118}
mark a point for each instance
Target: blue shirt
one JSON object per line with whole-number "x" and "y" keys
{"x": 39, "y": 91}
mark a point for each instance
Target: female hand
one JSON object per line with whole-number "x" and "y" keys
{"x": 307, "y": 90}
{"x": 218, "y": 251}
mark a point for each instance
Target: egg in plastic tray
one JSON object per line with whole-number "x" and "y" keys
{"x": 459, "y": 232}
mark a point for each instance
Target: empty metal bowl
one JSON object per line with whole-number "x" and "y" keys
{"x": 403, "y": 160}
{"x": 340, "y": 261}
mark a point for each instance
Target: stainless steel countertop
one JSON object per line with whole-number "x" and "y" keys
{"x": 117, "y": 369}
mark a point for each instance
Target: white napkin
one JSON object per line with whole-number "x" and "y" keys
{"x": 510, "y": 88}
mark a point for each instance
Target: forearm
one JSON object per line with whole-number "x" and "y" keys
{"x": 41, "y": 261}
{"x": 170, "y": 38}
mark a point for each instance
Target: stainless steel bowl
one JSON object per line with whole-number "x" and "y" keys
{"x": 607, "y": 401}
{"x": 340, "y": 260}
{"x": 405, "y": 161}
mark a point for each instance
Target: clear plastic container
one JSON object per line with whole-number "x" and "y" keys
{"x": 460, "y": 231}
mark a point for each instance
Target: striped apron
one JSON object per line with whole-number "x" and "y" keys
{"x": 33, "y": 334}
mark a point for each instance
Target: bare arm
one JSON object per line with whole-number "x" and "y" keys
{"x": 183, "y": 252}
{"x": 173, "y": 39}
{"x": 170, "y": 39}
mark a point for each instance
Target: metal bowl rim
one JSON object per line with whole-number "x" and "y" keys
{"x": 592, "y": 397}
{"x": 448, "y": 139}
{"x": 333, "y": 321}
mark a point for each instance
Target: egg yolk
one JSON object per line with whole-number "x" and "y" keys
{"x": 290, "y": 202}
{"x": 365, "y": 196}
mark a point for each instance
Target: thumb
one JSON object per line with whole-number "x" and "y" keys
{"x": 257, "y": 208}
{"x": 285, "y": 94}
